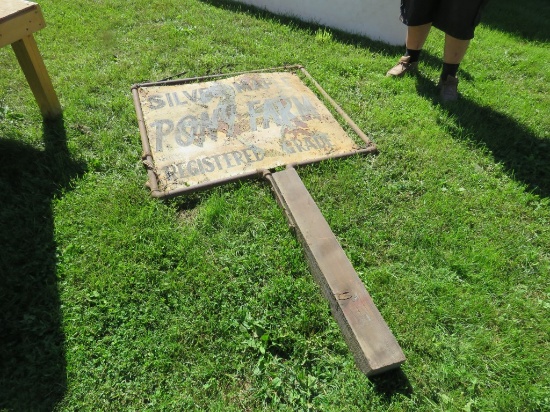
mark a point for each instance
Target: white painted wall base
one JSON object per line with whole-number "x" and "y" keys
{"x": 376, "y": 19}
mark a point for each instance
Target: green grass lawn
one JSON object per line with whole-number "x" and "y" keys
{"x": 112, "y": 300}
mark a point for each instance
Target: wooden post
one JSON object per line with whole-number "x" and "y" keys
{"x": 369, "y": 338}
{"x": 37, "y": 76}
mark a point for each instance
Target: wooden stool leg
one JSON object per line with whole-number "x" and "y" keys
{"x": 35, "y": 71}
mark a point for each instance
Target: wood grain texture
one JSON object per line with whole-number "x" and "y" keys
{"x": 369, "y": 338}
{"x": 19, "y": 19}
{"x": 33, "y": 67}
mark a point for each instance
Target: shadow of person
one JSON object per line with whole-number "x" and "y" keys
{"x": 32, "y": 358}
{"x": 526, "y": 18}
{"x": 525, "y": 157}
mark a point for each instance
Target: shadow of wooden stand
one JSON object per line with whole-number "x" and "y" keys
{"x": 196, "y": 135}
{"x": 19, "y": 19}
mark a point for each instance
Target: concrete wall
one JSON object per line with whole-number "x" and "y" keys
{"x": 376, "y": 19}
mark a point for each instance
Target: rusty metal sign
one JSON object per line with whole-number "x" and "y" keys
{"x": 199, "y": 134}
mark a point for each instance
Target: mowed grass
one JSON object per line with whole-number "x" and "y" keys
{"x": 111, "y": 300}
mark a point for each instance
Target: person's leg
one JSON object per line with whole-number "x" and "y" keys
{"x": 454, "y": 51}
{"x": 458, "y": 19}
{"x": 416, "y": 37}
{"x": 417, "y": 15}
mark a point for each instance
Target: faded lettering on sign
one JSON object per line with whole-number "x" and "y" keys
{"x": 220, "y": 129}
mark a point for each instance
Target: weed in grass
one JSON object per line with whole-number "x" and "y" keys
{"x": 8, "y": 116}
{"x": 323, "y": 36}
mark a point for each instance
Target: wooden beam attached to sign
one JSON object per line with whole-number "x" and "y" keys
{"x": 369, "y": 338}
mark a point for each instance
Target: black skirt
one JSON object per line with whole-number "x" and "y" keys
{"x": 457, "y": 18}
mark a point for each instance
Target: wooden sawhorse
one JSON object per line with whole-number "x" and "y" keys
{"x": 19, "y": 19}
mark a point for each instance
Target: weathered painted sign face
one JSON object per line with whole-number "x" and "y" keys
{"x": 219, "y": 130}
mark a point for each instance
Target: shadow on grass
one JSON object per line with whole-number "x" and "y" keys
{"x": 337, "y": 35}
{"x": 32, "y": 357}
{"x": 525, "y": 157}
{"x": 526, "y": 18}
{"x": 391, "y": 383}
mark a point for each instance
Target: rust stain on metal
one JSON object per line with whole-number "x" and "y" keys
{"x": 196, "y": 134}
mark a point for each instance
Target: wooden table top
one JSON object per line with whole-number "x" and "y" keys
{"x": 12, "y": 8}
{"x": 18, "y": 19}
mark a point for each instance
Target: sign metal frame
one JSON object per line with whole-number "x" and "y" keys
{"x": 148, "y": 154}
